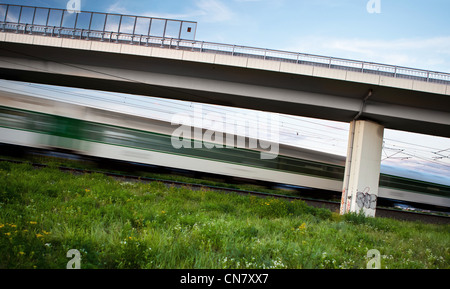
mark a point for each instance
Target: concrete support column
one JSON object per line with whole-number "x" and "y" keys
{"x": 362, "y": 168}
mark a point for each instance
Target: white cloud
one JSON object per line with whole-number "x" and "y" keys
{"x": 426, "y": 53}
{"x": 117, "y": 8}
{"x": 205, "y": 11}
{"x": 214, "y": 11}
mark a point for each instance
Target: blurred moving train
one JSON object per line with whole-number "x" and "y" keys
{"x": 48, "y": 124}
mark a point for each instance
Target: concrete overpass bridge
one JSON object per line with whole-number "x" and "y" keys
{"x": 371, "y": 96}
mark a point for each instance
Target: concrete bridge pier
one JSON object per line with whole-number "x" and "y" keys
{"x": 362, "y": 168}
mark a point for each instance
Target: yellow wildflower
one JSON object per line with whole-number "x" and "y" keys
{"x": 39, "y": 235}
{"x": 163, "y": 212}
{"x": 21, "y": 253}
{"x": 8, "y": 234}
{"x": 33, "y": 223}
{"x": 1, "y": 226}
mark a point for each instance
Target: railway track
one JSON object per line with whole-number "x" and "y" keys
{"x": 331, "y": 205}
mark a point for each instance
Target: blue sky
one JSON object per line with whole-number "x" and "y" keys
{"x": 411, "y": 33}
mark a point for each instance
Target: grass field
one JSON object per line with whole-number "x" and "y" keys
{"x": 45, "y": 212}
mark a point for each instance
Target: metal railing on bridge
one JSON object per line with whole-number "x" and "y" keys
{"x": 175, "y": 34}
{"x": 63, "y": 23}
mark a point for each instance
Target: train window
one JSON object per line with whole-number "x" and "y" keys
{"x": 93, "y": 132}
{"x": 336, "y": 172}
{"x": 413, "y": 185}
{"x": 13, "y": 119}
{"x": 113, "y": 136}
{"x": 43, "y": 123}
{"x": 309, "y": 168}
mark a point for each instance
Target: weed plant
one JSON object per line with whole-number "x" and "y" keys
{"x": 114, "y": 224}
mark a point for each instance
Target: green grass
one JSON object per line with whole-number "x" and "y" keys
{"x": 45, "y": 212}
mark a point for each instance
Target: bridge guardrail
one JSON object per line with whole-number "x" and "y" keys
{"x": 176, "y": 34}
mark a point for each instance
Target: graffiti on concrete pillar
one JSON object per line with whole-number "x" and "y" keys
{"x": 366, "y": 200}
